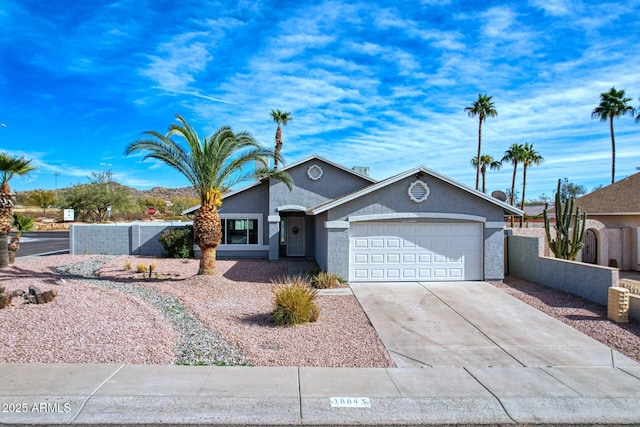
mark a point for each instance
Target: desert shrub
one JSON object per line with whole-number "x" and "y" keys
{"x": 294, "y": 303}
{"x": 141, "y": 267}
{"x": 127, "y": 265}
{"x": 324, "y": 280}
{"x": 177, "y": 242}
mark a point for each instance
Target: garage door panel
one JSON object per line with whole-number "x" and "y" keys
{"x": 393, "y": 258}
{"x": 376, "y": 259}
{"x": 416, "y": 251}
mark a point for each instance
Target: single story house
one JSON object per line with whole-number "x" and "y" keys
{"x": 613, "y": 224}
{"x": 417, "y": 225}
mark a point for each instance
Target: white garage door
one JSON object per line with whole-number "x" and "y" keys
{"x": 415, "y": 251}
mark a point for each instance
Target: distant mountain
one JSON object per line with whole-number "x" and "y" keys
{"x": 161, "y": 192}
{"x": 164, "y": 193}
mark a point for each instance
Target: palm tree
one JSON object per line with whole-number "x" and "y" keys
{"x": 212, "y": 166}
{"x": 10, "y": 166}
{"x": 279, "y": 117}
{"x": 514, "y": 155}
{"x": 483, "y": 108}
{"x": 485, "y": 160}
{"x": 530, "y": 157}
{"x": 612, "y": 104}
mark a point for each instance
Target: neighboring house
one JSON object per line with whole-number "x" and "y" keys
{"x": 613, "y": 224}
{"x": 417, "y": 225}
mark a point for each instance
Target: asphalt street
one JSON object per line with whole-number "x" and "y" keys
{"x": 43, "y": 242}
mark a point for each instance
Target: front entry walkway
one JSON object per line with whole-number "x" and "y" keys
{"x": 473, "y": 324}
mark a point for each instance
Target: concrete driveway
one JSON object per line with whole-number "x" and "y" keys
{"x": 473, "y": 324}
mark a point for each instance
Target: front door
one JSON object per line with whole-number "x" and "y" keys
{"x": 590, "y": 248}
{"x": 295, "y": 236}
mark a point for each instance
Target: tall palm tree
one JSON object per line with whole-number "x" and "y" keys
{"x": 485, "y": 160}
{"x": 483, "y": 108}
{"x": 212, "y": 166}
{"x": 530, "y": 157}
{"x": 280, "y": 117}
{"x": 514, "y": 154}
{"x": 612, "y": 104}
{"x": 10, "y": 166}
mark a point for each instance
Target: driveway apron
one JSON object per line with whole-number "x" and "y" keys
{"x": 473, "y": 324}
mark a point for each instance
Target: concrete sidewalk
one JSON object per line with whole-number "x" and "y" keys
{"x": 204, "y": 395}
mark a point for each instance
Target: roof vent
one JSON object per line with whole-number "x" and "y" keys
{"x": 418, "y": 191}
{"x": 362, "y": 170}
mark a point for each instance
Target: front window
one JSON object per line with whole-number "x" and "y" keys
{"x": 238, "y": 230}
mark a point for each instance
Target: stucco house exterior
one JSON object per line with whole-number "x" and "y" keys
{"x": 613, "y": 224}
{"x": 417, "y": 225}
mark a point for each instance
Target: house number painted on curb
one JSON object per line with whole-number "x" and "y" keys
{"x": 350, "y": 402}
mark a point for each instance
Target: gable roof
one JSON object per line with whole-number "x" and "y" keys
{"x": 381, "y": 184}
{"x": 622, "y": 198}
{"x": 335, "y": 165}
{"x": 293, "y": 165}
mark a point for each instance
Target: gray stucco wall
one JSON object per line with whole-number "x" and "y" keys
{"x": 308, "y": 193}
{"x": 444, "y": 198}
{"x": 320, "y": 241}
{"x": 119, "y": 238}
{"x": 253, "y": 200}
{"x": 494, "y": 248}
{"x": 586, "y": 280}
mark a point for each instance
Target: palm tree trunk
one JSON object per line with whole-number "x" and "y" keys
{"x": 513, "y": 189}
{"x": 479, "y": 143}
{"x": 207, "y": 233}
{"x": 278, "y": 146}
{"x": 484, "y": 172}
{"x": 613, "y": 151}
{"x": 4, "y": 250}
{"x": 207, "y": 261}
{"x": 524, "y": 186}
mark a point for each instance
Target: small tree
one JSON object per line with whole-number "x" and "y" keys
{"x": 569, "y": 240}
{"x": 42, "y": 198}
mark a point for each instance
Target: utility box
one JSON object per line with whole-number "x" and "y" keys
{"x": 618, "y": 306}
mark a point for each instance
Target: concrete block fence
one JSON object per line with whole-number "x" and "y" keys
{"x": 586, "y": 280}
{"x": 119, "y": 238}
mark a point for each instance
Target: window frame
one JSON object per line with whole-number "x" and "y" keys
{"x": 247, "y": 217}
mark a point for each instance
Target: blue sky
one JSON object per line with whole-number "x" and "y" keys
{"x": 378, "y": 84}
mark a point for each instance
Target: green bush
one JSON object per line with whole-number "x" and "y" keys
{"x": 295, "y": 303}
{"x": 324, "y": 280}
{"x": 177, "y": 242}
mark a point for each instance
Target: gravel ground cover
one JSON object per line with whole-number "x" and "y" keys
{"x": 583, "y": 315}
{"x": 105, "y": 313}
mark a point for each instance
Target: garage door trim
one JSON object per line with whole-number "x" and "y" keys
{"x": 416, "y": 250}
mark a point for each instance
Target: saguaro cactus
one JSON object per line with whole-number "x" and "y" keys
{"x": 569, "y": 239}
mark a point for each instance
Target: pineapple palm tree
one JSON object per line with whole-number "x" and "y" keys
{"x": 483, "y": 108}
{"x": 485, "y": 160}
{"x": 514, "y": 154}
{"x": 212, "y": 166}
{"x": 280, "y": 117}
{"x": 612, "y": 104}
{"x": 530, "y": 157}
{"x": 10, "y": 166}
